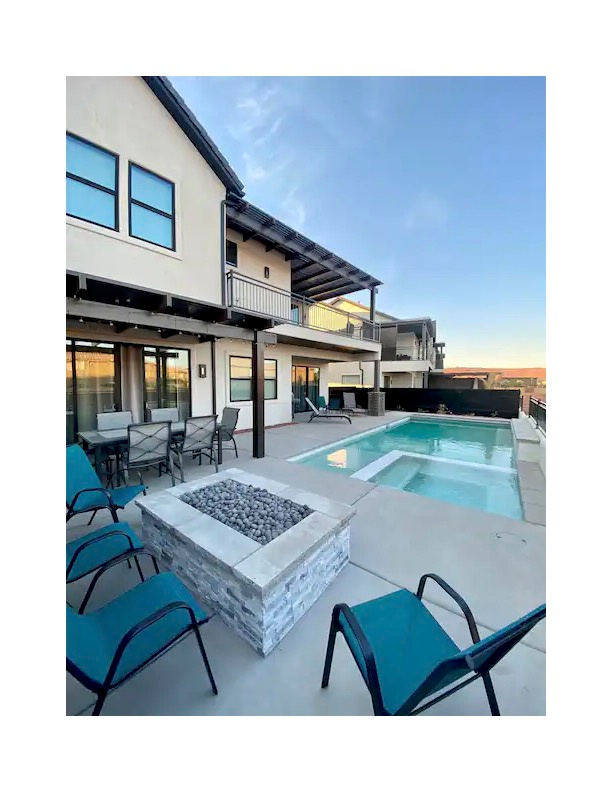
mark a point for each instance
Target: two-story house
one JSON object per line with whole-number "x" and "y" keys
{"x": 410, "y": 352}
{"x": 180, "y": 293}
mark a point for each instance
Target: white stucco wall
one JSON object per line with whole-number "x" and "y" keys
{"x": 123, "y": 115}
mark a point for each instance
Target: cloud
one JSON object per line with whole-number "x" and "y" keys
{"x": 295, "y": 209}
{"x": 427, "y": 212}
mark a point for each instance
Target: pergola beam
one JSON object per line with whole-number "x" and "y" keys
{"x": 136, "y": 316}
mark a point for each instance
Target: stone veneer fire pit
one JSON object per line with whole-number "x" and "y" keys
{"x": 259, "y": 586}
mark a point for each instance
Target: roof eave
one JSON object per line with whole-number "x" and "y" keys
{"x": 174, "y": 104}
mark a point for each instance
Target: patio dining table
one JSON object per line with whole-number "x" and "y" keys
{"x": 110, "y": 438}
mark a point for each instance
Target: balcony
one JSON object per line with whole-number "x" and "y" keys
{"x": 250, "y": 296}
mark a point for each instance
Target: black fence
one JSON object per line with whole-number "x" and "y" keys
{"x": 492, "y": 403}
{"x": 537, "y": 411}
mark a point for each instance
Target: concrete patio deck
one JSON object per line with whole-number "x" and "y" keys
{"x": 497, "y": 564}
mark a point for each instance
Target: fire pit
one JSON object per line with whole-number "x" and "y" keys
{"x": 256, "y": 551}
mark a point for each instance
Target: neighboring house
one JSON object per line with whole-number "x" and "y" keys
{"x": 179, "y": 293}
{"x": 409, "y": 352}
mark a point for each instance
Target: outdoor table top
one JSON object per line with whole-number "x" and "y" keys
{"x": 112, "y": 436}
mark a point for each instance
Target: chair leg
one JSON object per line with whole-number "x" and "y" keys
{"x": 99, "y": 702}
{"x": 205, "y": 658}
{"x": 235, "y": 447}
{"x": 331, "y": 643}
{"x": 137, "y": 562}
{"x": 93, "y": 514}
{"x": 486, "y": 678}
{"x": 114, "y": 513}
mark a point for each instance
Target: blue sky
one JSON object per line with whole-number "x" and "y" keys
{"x": 434, "y": 185}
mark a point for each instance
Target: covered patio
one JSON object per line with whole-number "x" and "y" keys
{"x": 497, "y": 564}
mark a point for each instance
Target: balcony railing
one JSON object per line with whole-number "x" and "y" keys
{"x": 537, "y": 411}
{"x": 253, "y": 297}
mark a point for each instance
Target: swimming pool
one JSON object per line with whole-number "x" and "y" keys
{"x": 470, "y": 463}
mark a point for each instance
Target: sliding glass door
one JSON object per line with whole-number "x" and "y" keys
{"x": 167, "y": 380}
{"x": 92, "y": 384}
{"x": 304, "y": 383}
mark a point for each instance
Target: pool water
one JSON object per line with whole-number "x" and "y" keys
{"x": 469, "y": 463}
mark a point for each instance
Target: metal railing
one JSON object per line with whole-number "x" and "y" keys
{"x": 537, "y": 411}
{"x": 253, "y": 297}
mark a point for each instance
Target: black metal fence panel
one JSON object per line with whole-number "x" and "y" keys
{"x": 537, "y": 411}
{"x": 494, "y": 403}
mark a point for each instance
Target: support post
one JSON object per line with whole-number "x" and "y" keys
{"x": 213, "y": 374}
{"x": 258, "y": 396}
{"x": 372, "y": 319}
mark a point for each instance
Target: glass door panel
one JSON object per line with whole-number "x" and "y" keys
{"x": 70, "y": 416}
{"x": 167, "y": 380}
{"x": 313, "y": 384}
{"x": 298, "y": 387}
{"x": 96, "y": 383}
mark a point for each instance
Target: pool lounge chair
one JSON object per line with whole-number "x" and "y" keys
{"x": 405, "y": 657}
{"x": 350, "y": 404}
{"x": 326, "y": 412}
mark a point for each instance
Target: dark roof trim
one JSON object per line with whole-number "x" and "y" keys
{"x": 174, "y": 104}
{"x": 313, "y": 261}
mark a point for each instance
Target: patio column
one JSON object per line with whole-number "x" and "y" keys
{"x": 376, "y": 362}
{"x": 258, "y": 396}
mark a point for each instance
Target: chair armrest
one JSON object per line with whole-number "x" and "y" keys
{"x": 95, "y": 539}
{"x": 142, "y": 625}
{"x": 125, "y": 556}
{"x": 458, "y": 599}
{"x": 365, "y": 648}
{"x": 90, "y": 489}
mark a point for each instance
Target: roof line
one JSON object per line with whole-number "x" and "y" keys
{"x": 175, "y": 105}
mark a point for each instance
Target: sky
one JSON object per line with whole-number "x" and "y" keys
{"x": 434, "y": 185}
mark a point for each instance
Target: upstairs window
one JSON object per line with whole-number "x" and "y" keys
{"x": 151, "y": 207}
{"x": 91, "y": 183}
{"x": 231, "y": 253}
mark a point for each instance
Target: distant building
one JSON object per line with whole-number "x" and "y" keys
{"x": 410, "y": 352}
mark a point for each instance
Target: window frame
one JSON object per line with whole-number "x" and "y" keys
{"x": 250, "y": 379}
{"x": 95, "y": 185}
{"x": 230, "y": 263}
{"x": 150, "y": 208}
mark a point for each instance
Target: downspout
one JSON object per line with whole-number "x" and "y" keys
{"x": 223, "y": 245}
{"x": 361, "y": 369}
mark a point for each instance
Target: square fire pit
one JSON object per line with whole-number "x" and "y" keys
{"x": 261, "y": 575}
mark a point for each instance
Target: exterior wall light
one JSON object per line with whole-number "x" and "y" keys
{"x": 202, "y": 370}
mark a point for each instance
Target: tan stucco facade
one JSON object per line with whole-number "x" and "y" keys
{"x": 123, "y": 115}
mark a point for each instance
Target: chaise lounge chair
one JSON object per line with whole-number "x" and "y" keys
{"x": 350, "y": 404}
{"x": 405, "y": 656}
{"x": 326, "y": 412}
{"x": 109, "y": 646}
{"x": 84, "y": 490}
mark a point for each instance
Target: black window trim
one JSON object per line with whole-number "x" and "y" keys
{"x": 231, "y": 263}
{"x": 250, "y": 379}
{"x": 95, "y": 185}
{"x": 143, "y": 205}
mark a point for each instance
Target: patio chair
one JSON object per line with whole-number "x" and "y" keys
{"x": 350, "y": 404}
{"x": 163, "y": 414}
{"x": 405, "y": 656}
{"x": 113, "y": 420}
{"x": 325, "y": 412}
{"x": 199, "y": 438}
{"x": 109, "y": 646}
{"x": 148, "y": 446}
{"x": 84, "y": 490}
{"x": 229, "y": 419}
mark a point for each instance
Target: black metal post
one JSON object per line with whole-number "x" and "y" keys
{"x": 213, "y": 374}
{"x": 258, "y": 396}
{"x": 373, "y": 319}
